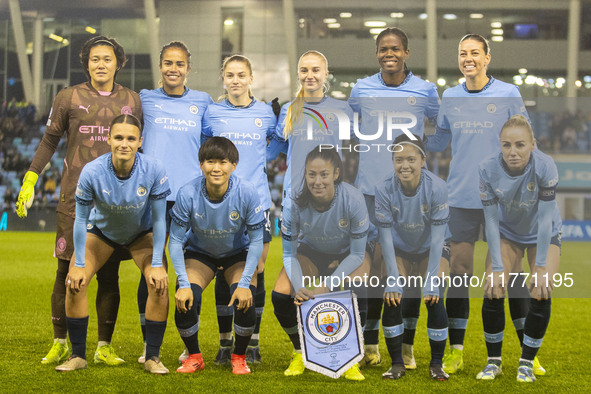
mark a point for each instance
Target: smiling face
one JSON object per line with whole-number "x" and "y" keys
{"x": 102, "y": 65}
{"x": 174, "y": 68}
{"x": 517, "y": 145}
{"x": 407, "y": 165}
{"x": 392, "y": 55}
{"x": 312, "y": 73}
{"x": 473, "y": 59}
{"x": 237, "y": 79}
{"x": 320, "y": 180}
{"x": 125, "y": 140}
{"x": 217, "y": 172}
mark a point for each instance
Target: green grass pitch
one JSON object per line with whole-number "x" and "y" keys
{"x": 27, "y": 271}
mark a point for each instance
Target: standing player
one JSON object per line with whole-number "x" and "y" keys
{"x": 473, "y": 114}
{"x": 120, "y": 184}
{"x": 248, "y": 123}
{"x": 83, "y": 113}
{"x": 172, "y": 132}
{"x": 300, "y": 118}
{"x": 324, "y": 234}
{"x": 226, "y": 219}
{"x": 518, "y": 189}
{"x": 411, "y": 214}
{"x": 394, "y": 88}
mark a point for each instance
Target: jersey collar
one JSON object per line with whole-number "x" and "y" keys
{"x": 408, "y": 76}
{"x": 490, "y": 81}
{"x": 226, "y": 194}
{"x": 506, "y": 169}
{"x": 115, "y": 86}
{"x": 398, "y": 185}
{"x": 174, "y": 95}
{"x": 323, "y": 99}
{"x": 229, "y": 104}
{"x": 112, "y": 169}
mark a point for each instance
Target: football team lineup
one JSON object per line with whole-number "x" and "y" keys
{"x": 398, "y": 228}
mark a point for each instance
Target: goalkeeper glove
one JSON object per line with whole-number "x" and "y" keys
{"x": 27, "y": 194}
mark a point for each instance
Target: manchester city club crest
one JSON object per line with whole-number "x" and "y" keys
{"x": 194, "y": 109}
{"x": 234, "y": 215}
{"x": 258, "y": 122}
{"x": 141, "y": 191}
{"x": 491, "y": 108}
{"x": 329, "y": 322}
{"x": 411, "y": 100}
{"x": 330, "y": 333}
{"x": 343, "y": 223}
{"x": 531, "y": 186}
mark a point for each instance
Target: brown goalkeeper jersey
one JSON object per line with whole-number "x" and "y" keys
{"x": 83, "y": 115}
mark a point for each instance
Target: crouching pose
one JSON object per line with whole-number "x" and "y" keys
{"x": 412, "y": 213}
{"x": 226, "y": 220}
{"x": 324, "y": 234}
{"x": 129, "y": 193}
{"x": 518, "y": 189}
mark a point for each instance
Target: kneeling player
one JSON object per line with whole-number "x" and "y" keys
{"x": 127, "y": 189}
{"x": 334, "y": 245}
{"x": 220, "y": 210}
{"x": 517, "y": 188}
{"x": 412, "y": 212}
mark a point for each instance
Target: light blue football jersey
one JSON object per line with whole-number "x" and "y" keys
{"x": 121, "y": 207}
{"x": 411, "y": 217}
{"x": 318, "y": 124}
{"x": 474, "y": 122}
{"x": 218, "y": 229}
{"x": 329, "y": 231}
{"x": 413, "y": 101}
{"x": 248, "y": 128}
{"x": 518, "y": 196}
{"x": 172, "y": 132}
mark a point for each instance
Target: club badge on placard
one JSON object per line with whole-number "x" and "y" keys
{"x": 330, "y": 333}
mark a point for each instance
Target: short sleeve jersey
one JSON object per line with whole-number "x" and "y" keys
{"x": 218, "y": 228}
{"x": 248, "y": 128}
{"x": 172, "y": 132}
{"x": 329, "y": 231}
{"x": 518, "y": 196}
{"x": 122, "y": 206}
{"x": 382, "y": 107}
{"x": 411, "y": 217}
{"x": 475, "y": 120}
{"x": 318, "y": 124}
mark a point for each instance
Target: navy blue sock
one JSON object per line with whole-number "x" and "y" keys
{"x": 437, "y": 331}
{"x": 286, "y": 313}
{"x": 411, "y": 307}
{"x": 154, "y": 335}
{"x": 361, "y": 293}
{"x": 393, "y": 330}
{"x": 244, "y": 322}
{"x": 371, "y": 334}
{"x": 142, "y": 300}
{"x": 518, "y": 303}
{"x": 225, "y": 313}
{"x": 458, "y": 308}
{"x": 493, "y": 321}
{"x": 188, "y": 323}
{"x": 536, "y": 324}
{"x": 259, "y": 303}
{"x": 77, "y": 329}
